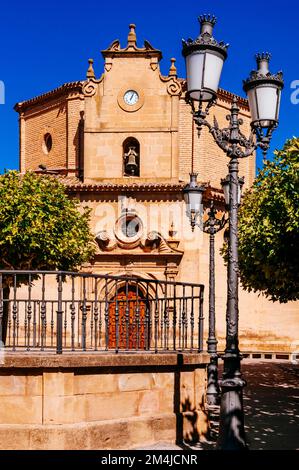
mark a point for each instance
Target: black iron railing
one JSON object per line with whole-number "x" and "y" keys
{"x": 65, "y": 311}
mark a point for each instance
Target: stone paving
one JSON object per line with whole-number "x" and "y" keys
{"x": 271, "y": 404}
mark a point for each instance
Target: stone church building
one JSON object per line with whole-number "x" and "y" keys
{"x": 124, "y": 144}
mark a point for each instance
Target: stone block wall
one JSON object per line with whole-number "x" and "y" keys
{"x": 101, "y": 402}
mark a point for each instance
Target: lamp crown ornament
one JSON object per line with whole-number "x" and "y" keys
{"x": 263, "y": 72}
{"x": 262, "y": 60}
{"x": 207, "y": 23}
{"x": 204, "y": 58}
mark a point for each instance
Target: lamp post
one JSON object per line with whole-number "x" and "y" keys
{"x": 225, "y": 182}
{"x": 204, "y": 60}
{"x": 212, "y": 226}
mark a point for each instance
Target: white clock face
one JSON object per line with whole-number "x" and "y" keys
{"x": 131, "y": 97}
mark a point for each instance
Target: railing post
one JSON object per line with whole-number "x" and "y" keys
{"x": 59, "y": 317}
{"x": 200, "y": 322}
{"x": 137, "y": 317}
{"x": 184, "y": 317}
{"x": 164, "y": 323}
{"x": 1, "y": 309}
{"x": 43, "y": 313}
{"x": 192, "y": 319}
{"x": 84, "y": 317}
{"x": 147, "y": 328}
{"x": 156, "y": 318}
{"x": 14, "y": 312}
{"x": 106, "y": 316}
{"x": 174, "y": 318}
{"x": 127, "y": 315}
{"x": 73, "y": 314}
{"x": 29, "y": 312}
{"x": 96, "y": 313}
{"x": 116, "y": 318}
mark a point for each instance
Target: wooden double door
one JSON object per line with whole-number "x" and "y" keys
{"x": 132, "y": 327}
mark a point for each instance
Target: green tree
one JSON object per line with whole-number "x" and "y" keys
{"x": 269, "y": 228}
{"x": 41, "y": 228}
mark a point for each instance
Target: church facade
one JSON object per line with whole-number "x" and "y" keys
{"x": 124, "y": 144}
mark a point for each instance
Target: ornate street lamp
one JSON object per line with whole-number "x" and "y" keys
{"x": 263, "y": 90}
{"x": 193, "y": 199}
{"x": 204, "y": 61}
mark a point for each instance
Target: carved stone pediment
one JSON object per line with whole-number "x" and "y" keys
{"x": 131, "y": 48}
{"x": 152, "y": 243}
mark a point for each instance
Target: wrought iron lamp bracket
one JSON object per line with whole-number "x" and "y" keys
{"x": 214, "y": 225}
{"x": 230, "y": 139}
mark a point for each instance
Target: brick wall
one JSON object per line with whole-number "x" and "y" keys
{"x": 58, "y": 117}
{"x": 209, "y": 160}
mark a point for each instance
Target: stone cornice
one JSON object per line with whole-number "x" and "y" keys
{"x": 75, "y": 186}
{"x": 64, "y": 89}
{"x": 110, "y": 187}
{"x": 99, "y": 360}
{"x": 78, "y": 86}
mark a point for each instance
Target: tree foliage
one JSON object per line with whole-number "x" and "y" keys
{"x": 40, "y": 226}
{"x": 269, "y": 228}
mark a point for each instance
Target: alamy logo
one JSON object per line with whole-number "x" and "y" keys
{"x": 295, "y": 93}
{"x": 2, "y": 92}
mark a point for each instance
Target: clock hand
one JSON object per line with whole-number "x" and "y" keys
{"x": 132, "y": 96}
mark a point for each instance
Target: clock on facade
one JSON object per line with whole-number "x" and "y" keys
{"x": 131, "y": 97}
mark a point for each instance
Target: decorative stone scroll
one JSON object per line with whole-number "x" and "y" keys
{"x": 91, "y": 85}
{"x": 174, "y": 87}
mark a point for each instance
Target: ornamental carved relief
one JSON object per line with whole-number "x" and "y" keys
{"x": 90, "y": 88}
{"x": 153, "y": 242}
{"x": 174, "y": 87}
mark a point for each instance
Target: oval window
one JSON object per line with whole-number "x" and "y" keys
{"x": 48, "y": 143}
{"x": 130, "y": 227}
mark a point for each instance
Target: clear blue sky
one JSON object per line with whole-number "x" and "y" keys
{"x": 46, "y": 44}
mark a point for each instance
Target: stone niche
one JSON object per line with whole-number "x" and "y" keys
{"x": 107, "y": 401}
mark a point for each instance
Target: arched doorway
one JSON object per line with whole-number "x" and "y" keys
{"x": 133, "y": 324}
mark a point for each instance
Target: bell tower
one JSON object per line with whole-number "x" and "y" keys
{"x": 131, "y": 116}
